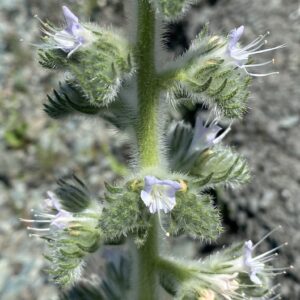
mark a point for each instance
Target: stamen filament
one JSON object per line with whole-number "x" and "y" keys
{"x": 38, "y": 229}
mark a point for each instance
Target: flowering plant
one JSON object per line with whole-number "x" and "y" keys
{"x": 122, "y": 80}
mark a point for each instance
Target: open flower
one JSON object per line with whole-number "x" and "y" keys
{"x": 206, "y": 136}
{"x": 55, "y": 216}
{"x": 159, "y": 194}
{"x": 257, "y": 266}
{"x": 241, "y": 55}
{"x": 62, "y": 217}
{"x": 72, "y": 37}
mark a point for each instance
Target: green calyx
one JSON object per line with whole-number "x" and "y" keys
{"x": 196, "y": 216}
{"x": 173, "y": 9}
{"x": 125, "y": 213}
{"x": 74, "y": 230}
{"x": 73, "y": 194}
{"x": 67, "y": 249}
{"x": 205, "y": 75}
{"x": 220, "y": 166}
{"x": 102, "y": 68}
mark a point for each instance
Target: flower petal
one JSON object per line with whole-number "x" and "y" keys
{"x": 146, "y": 197}
{"x": 159, "y": 194}
{"x": 52, "y": 202}
{"x": 254, "y": 278}
{"x": 70, "y": 18}
{"x": 234, "y": 37}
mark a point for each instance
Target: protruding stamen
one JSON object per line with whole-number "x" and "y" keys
{"x": 261, "y": 64}
{"x": 161, "y": 225}
{"x": 261, "y": 75}
{"x": 267, "y": 50}
{"x": 266, "y": 236}
{"x": 38, "y": 229}
{"x": 220, "y": 137}
{"x": 34, "y": 221}
{"x": 269, "y": 252}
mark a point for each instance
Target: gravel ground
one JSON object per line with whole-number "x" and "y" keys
{"x": 34, "y": 150}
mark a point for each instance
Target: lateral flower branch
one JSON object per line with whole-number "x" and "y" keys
{"x": 118, "y": 76}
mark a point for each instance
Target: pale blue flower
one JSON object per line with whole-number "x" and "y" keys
{"x": 257, "y": 266}
{"x": 253, "y": 268}
{"x": 159, "y": 194}
{"x": 54, "y": 215}
{"x": 72, "y": 37}
{"x": 206, "y": 136}
{"x": 62, "y": 217}
{"x": 240, "y": 55}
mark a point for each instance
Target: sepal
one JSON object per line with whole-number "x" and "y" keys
{"x": 196, "y": 216}
{"x": 114, "y": 286}
{"x": 179, "y": 140}
{"x": 172, "y": 10}
{"x": 67, "y": 100}
{"x": 233, "y": 273}
{"x": 125, "y": 213}
{"x": 73, "y": 194}
{"x": 220, "y": 166}
{"x": 52, "y": 59}
{"x": 103, "y": 68}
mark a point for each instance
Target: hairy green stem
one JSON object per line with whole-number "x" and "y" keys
{"x": 147, "y": 276}
{"x": 147, "y": 137}
{"x": 147, "y": 134}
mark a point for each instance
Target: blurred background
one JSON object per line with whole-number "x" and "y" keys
{"x": 35, "y": 151}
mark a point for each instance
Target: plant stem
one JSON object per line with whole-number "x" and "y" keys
{"x": 147, "y": 138}
{"x": 147, "y": 135}
{"x": 147, "y": 277}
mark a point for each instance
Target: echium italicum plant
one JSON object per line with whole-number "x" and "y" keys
{"x": 127, "y": 79}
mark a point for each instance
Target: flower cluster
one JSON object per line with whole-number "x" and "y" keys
{"x": 236, "y": 273}
{"x": 70, "y": 236}
{"x": 113, "y": 77}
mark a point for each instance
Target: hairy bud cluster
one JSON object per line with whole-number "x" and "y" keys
{"x": 233, "y": 273}
{"x": 203, "y": 75}
{"x": 97, "y": 59}
{"x": 173, "y": 9}
{"x": 73, "y": 230}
